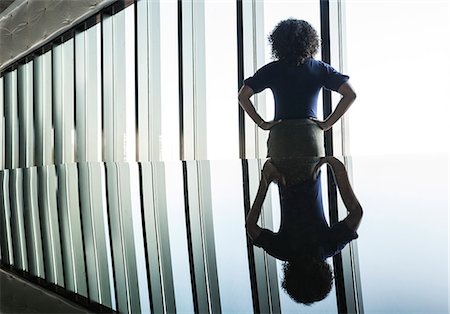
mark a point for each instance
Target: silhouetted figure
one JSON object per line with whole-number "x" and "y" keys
{"x": 304, "y": 240}
{"x": 295, "y": 79}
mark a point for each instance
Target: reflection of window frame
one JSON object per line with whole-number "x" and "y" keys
{"x": 156, "y": 232}
{"x": 123, "y": 245}
{"x": 5, "y": 221}
{"x": 262, "y": 266}
{"x": 200, "y": 236}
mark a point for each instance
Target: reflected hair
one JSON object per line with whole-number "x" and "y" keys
{"x": 294, "y": 41}
{"x": 307, "y": 280}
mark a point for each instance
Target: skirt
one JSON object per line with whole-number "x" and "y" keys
{"x": 295, "y": 138}
{"x": 295, "y": 148}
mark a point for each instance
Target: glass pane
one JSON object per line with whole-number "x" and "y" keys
{"x": 388, "y": 50}
{"x": 170, "y": 129}
{"x": 221, "y": 72}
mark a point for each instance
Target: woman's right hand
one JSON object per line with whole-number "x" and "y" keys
{"x": 268, "y": 125}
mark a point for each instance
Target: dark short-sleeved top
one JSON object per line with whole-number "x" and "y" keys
{"x": 304, "y": 229}
{"x": 296, "y": 88}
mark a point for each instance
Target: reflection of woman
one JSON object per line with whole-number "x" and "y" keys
{"x": 305, "y": 240}
{"x": 296, "y": 79}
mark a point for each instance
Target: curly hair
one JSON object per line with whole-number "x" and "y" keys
{"x": 294, "y": 41}
{"x": 307, "y": 280}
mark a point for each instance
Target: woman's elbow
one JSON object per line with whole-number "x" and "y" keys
{"x": 347, "y": 91}
{"x": 349, "y": 94}
{"x": 245, "y": 93}
{"x": 243, "y": 97}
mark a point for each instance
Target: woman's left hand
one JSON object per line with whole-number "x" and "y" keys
{"x": 322, "y": 124}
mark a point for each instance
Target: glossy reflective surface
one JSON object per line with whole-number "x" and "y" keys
{"x": 149, "y": 236}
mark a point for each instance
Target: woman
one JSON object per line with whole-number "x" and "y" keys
{"x": 295, "y": 79}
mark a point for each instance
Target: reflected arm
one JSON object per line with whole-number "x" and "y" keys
{"x": 352, "y": 204}
{"x": 269, "y": 173}
{"x": 251, "y": 222}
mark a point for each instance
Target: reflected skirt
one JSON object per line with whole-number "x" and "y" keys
{"x": 295, "y": 138}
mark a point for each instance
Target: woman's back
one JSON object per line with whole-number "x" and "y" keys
{"x": 296, "y": 88}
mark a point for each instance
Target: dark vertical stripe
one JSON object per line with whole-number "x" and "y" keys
{"x": 189, "y": 237}
{"x": 144, "y": 231}
{"x": 110, "y": 236}
{"x": 136, "y": 78}
{"x": 60, "y": 225}
{"x": 102, "y": 84}
{"x": 326, "y": 56}
{"x": 57, "y": 67}
{"x": 22, "y": 154}
{"x": 41, "y": 219}
{"x": 332, "y": 191}
{"x": 240, "y": 78}
{"x": 82, "y": 231}
{"x": 250, "y": 248}
{"x": 180, "y": 77}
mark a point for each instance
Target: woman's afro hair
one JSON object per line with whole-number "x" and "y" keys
{"x": 294, "y": 41}
{"x": 307, "y": 280}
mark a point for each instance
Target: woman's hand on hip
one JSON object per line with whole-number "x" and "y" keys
{"x": 322, "y": 124}
{"x": 268, "y": 125}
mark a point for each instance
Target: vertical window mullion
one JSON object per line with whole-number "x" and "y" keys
{"x": 152, "y": 175}
{"x": 120, "y": 90}
{"x": 90, "y": 171}
{"x": 68, "y": 192}
{"x": 193, "y": 80}
{"x": 11, "y": 121}
{"x": 47, "y": 178}
{"x": 253, "y": 58}
{"x": 10, "y": 152}
{"x": 30, "y": 186}
{"x": 148, "y": 71}
{"x": 3, "y": 236}
{"x": 262, "y": 267}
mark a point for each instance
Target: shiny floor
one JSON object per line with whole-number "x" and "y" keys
{"x": 155, "y": 237}
{"x": 20, "y": 296}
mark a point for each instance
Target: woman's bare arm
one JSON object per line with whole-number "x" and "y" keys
{"x": 251, "y": 222}
{"x": 352, "y": 204}
{"x": 348, "y": 97}
{"x": 269, "y": 173}
{"x": 244, "y": 101}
